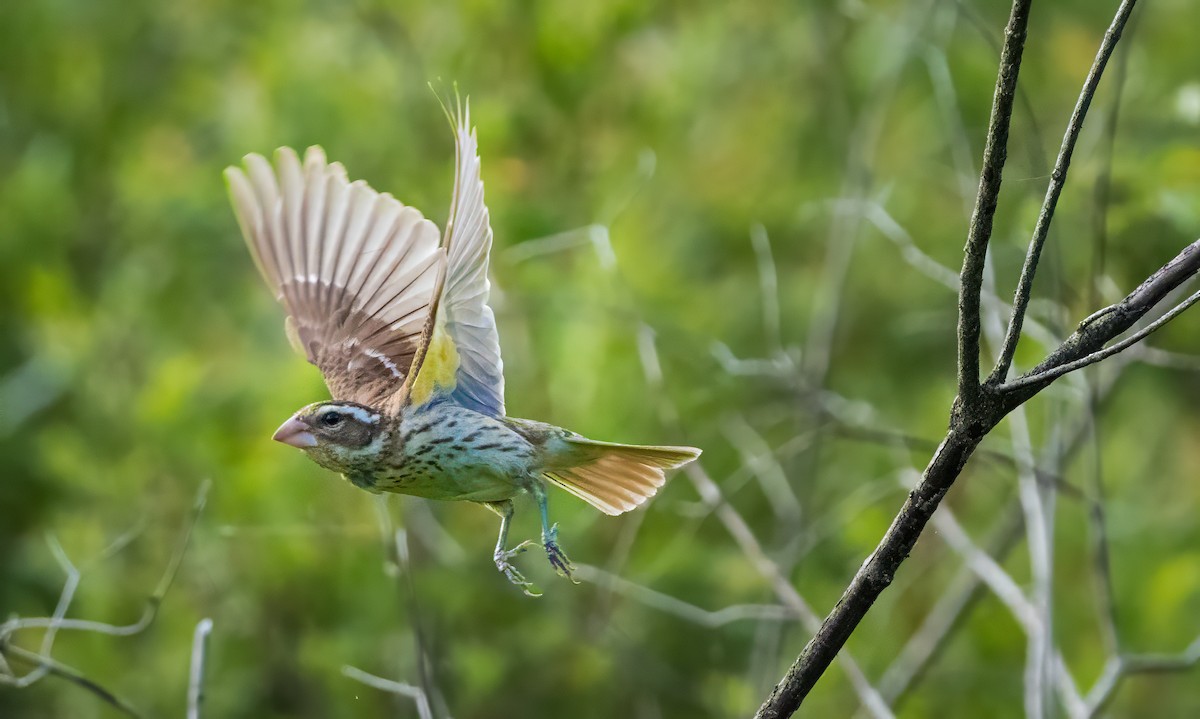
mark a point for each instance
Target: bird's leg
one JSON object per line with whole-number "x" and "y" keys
{"x": 501, "y": 555}
{"x": 558, "y": 559}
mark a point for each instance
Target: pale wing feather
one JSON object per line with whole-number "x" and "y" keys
{"x": 355, "y": 269}
{"x": 616, "y": 478}
{"x": 468, "y": 320}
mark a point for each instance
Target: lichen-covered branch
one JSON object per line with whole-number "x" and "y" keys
{"x": 979, "y": 407}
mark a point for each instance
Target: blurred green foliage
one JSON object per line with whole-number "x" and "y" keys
{"x": 139, "y": 353}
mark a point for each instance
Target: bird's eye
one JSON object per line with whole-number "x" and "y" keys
{"x": 331, "y": 419}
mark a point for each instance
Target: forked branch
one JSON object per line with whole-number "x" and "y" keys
{"x": 980, "y": 406}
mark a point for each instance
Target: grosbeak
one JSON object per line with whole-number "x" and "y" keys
{"x": 397, "y": 320}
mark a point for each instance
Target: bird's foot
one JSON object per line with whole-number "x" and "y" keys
{"x": 502, "y": 557}
{"x": 558, "y": 558}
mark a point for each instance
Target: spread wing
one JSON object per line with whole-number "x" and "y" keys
{"x": 356, "y": 270}
{"x": 463, "y": 358}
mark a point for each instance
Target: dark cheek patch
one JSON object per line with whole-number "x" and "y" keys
{"x": 357, "y": 435}
{"x": 350, "y": 434}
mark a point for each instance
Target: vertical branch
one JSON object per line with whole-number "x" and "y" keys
{"x": 396, "y": 564}
{"x": 1098, "y": 531}
{"x": 1057, "y": 179}
{"x": 994, "y": 154}
{"x": 195, "y": 696}
{"x": 946, "y": 464}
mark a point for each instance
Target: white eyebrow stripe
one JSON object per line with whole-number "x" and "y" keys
{"x": 387, "y": 361}
{"x": 362, "y": 415}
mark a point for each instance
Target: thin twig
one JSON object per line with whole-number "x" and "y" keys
{"x": 744, "y": 536}
{"x": 741, "y": 532}
{"x": 397, "y": 565}
{"x": 387, "y": 685}
{"x": 1097, "y": 522}
{"x": 878, "y": 216}
{"x": 943, "y": 469}
{"x": 1052, "y": 373}
{"x": 1122, "y": 666}
{"x": 44, "y": 664}
{"x": 60, "y": 611}
{"x": 1104, "y": 325}
{"x": 945, "y": 466}
{"x": 1038, "y": 160}
{"x": 196, "y": 674}
{"x": 10, "y": 627}
{"x": 667, "y": 604}
{"x": 768, "y": 281}
{"x": 74, "y": 676}
{"x": 1057, "y": 179}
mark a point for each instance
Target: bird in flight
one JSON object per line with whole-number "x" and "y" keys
{"x": 396, "y": 318}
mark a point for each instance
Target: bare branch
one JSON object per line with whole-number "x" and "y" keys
{"x": 947, "y": 463}
{"x": 43, "y": 663}
{"x": 878, "y": 216}
{"x": 741, "y": 532}
{"x": 397, "y": 565}
{"x": 1057, "y": 179}
{"x": 744, "y": 536}
{"x": 760, "y": 460}
{"x": 1055, "y": 372}
{"x": 8, "y": 628}
{"x": 393, "y": 687}
{"x": 994, "y": 154}
{"x": 1122, "y": 666}
{"x": 711, "y": 619}
{"x": 769, "y": 286}
{"x": 56, "y": 668}
{"x": 963, "y": 591}
{"x": 872, "y": 578}
{"x": 60, "y": 611}
{"x": 977, "y": 409}
{"x": 1105, "y": 325}
{"x": 195, "y": 696}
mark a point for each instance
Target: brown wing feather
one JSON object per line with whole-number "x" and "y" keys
{"x": 357, "y": 270}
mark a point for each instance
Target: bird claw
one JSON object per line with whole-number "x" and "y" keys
{"x": 558, "y": 558}
{"x": 510, "y": 572}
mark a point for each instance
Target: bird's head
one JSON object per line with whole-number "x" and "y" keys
{"x": 341, "y": 436}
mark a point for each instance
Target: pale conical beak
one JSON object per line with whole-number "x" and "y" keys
{"x": 295, "y": 433}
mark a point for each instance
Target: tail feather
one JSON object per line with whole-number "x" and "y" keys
{"x": 616, "y": 478}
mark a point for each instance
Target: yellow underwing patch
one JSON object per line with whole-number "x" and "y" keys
{"x": 439, "y": 368}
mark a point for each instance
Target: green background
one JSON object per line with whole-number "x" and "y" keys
{"x": 630, "y": 150}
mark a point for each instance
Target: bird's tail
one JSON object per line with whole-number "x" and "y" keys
{"x": 616, "y": 478}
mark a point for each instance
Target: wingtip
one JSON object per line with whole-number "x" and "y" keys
{"x": 232, "y": 174}
{"x": 315, "y": 157}
{"x": 288, "y": 170}
{"x": 251, "y": 158}
{"x": 260, "y": 172}
{"x": 241, "y": 192}
{"x": 458, "y": 115}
